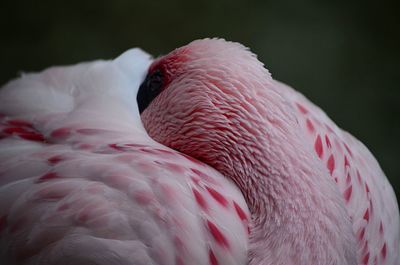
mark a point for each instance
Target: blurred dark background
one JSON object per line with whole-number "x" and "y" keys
{"x": 343, "y": 55}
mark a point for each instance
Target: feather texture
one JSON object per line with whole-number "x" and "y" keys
{"x": 81, "y": 182}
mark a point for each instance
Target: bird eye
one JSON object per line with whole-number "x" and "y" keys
{"x": 149, "y": 89}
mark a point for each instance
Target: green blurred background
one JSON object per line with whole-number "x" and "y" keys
{"x": 343, "y": 55}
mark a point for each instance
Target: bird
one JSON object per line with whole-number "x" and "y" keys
{"x": 81, "y": 181}
{"x": 315, "y": 193}
{"x": 197, "y": 157}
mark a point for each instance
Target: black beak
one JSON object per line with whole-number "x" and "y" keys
{"x": 143, "y": 98}
{"x": 149, "y": 89}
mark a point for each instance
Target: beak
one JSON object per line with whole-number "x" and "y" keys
{"x": 143, "y": 96}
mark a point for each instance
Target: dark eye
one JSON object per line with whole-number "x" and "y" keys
{"x": 149, "y": 89}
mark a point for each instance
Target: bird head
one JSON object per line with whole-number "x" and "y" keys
{"x": 201, "y": 99}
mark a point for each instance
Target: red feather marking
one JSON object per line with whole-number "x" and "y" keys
{"x": 366, "y": 215}
{"x": 24, "y": 133}
{"x": 54, "y": 159}
{"x": 346, "y": 162}
{"x": 15, "y": 130}
{"x": 20, "y": 123}
{"x": 384, "y": 251}
{"x": 217, "y": 234}
{"x": 47, "y": 176}
{"x": 331, "y": 164}
{"x": 318, "y": 146}
{"x": 217, "y": 196}
{"x": 32, "y": 136}
{"x": 347, "y": 193}
{"x": 328, "y": 142}
{"x": 61, "y": 133}
{"x": 199, "y": 199}
{"x": 240, "y": 211}
{"x": 365, "y": 259}
{"x": 213, "y": 259}
{"x": 310, "y": 126}
{"x": 301, "y": 108}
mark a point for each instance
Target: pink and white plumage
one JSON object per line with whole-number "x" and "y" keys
{"x": 315, "y": 193}
{"x": 82, "y": 183}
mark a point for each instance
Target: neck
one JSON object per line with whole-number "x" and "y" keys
{"x": 298, "y": 214}
{"x": 246, "y": 130}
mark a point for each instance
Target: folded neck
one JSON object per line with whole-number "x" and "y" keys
{"x": 297, "y": 212}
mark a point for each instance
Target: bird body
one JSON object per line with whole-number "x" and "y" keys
{"x": 81, "y": 182}
{"x": 242, "y": 169}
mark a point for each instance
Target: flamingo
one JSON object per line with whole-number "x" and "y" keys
{"x": 230, "y": 167}
{"x": 316, "y": 194}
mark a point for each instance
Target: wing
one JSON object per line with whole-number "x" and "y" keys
{"x": 368, "y": 196}
{"x": 82, "y": 183}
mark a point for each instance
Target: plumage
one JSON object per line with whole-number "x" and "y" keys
{"x": 81, "y": 182}
{"x": 315, "y": 193}
{"x": 263, "y": 177}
